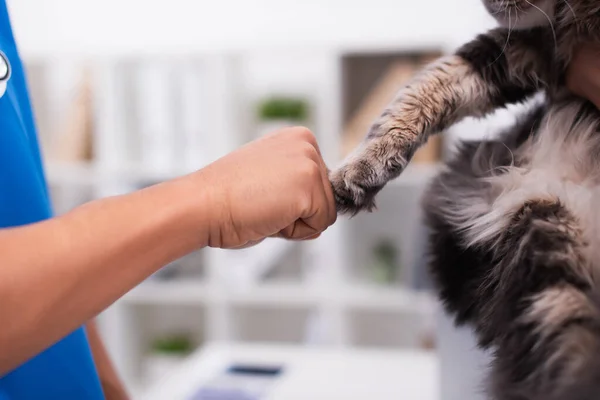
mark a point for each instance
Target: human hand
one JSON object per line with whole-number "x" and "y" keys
{"x": 583, "y": 77}
{"x": 274, "y": 186}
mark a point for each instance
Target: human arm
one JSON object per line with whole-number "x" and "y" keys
{"x": 58, "y": 274}
{"x": 111, "y": 383}
{"x": 584, "y": 73}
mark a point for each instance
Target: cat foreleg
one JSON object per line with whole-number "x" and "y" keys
{"x": 479, "y": 78}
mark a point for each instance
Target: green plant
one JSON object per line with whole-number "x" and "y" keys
{"x": 386, "y": 252}
{"x": 178, "y": 344}
{"x": 385, "y": 261}
{"x": 283, "y": 108}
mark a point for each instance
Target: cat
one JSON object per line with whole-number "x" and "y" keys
{"x": 515, "y": 221}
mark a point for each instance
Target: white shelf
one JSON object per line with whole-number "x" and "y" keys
{"x": 169, "y": 292}
{"x": 244, "y": 268}
{"x": 283, "y": 295}
{"x": 275, "y": 295}
{"x": 389, "y": 298}
{"x": 71, "y": 173}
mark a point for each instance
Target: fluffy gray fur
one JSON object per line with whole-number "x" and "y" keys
{"x": 515, "y": 243}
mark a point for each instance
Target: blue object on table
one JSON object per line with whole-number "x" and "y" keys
{"x": 240, "y": 382}
{"x": 223, "y": 394}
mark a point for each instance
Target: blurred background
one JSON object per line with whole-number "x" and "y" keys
{"x": 128, "y": 93}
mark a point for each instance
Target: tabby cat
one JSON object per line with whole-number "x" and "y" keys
{"x": 515, "y": 221}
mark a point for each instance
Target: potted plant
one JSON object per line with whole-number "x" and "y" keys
{"x": 385, "y": 262}
{"x": 278, "y": 112}
{"x": 166, "y": 353}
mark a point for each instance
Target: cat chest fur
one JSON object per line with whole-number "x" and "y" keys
{"x": 560, "y": 164}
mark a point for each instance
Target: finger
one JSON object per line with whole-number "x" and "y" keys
{"x": 281, "y": 236}
{"x": 318, "y": 216}
{"x": 325, "y": 199}
{"x": 307, "y": 136}
{"x": 299, "y": 230}
{"x": 249, "y": 244}
{"x": 329, "y": 196}
{"x": 327, "y": 188}
{"x": 313, "y": 237}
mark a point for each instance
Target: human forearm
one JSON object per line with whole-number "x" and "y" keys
{"x": 58, "y": 274}
{"x": 111, "y": 383}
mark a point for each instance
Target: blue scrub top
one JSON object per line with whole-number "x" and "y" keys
{"x": 65, "y": 370}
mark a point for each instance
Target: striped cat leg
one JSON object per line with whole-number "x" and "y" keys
{"x": 540, "y": 311}
{"x": 482, "y": 76}
{"x": 461, "y": 194}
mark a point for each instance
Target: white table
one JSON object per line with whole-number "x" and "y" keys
{"x": 313, "y": 373}
{"x": 464, "y": 367}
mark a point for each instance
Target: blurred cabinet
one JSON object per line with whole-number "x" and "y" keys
{"x": 150, "y": 118}
{"x": 371, "y": 81}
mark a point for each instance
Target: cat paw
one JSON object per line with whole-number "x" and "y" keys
{"x": 383, "y": 157}
{"x": 352, "y": 190}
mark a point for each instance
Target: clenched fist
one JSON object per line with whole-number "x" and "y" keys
{"x": 275, "y": 186}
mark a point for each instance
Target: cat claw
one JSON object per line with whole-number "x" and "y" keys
{"x": 351, "y": 197}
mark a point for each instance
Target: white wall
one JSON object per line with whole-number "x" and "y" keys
{"x": 313, "y": 27}
{"x": 114, "y": 26}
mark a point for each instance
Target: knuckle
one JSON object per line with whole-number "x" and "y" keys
{"x": 305, "y": 134}
{"x": 309, "y": 175}
{"x": 313, "y": 171}
{"x": 333, "y": 217}
{"x": 309, "y": 151}
{"x": 305, "y": 201}
{"x": 333, "y": 220}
